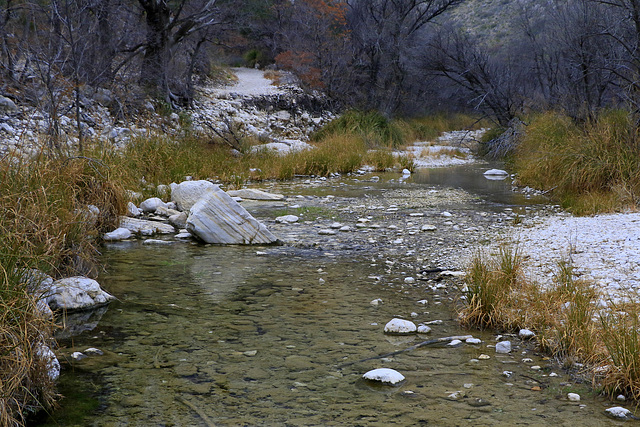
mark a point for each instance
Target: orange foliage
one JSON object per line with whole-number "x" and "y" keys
{"x": 301, "y": 63}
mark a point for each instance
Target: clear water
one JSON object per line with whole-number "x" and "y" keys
{"x": 206, "y": 335}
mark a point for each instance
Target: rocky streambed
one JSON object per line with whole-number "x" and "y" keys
{"x": 276, "y": 335}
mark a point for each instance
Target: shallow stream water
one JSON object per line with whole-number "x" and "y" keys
{"x": 209, "y": 335}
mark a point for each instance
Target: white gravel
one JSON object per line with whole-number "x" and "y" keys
{"x": 604, "y": 249}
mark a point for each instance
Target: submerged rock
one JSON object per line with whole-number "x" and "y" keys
{"x": 400, "y": 327}
{"x": 384, "y": 375}
{"x": 217, "y": 218}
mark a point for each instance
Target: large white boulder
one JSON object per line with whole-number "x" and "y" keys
{"x": 219, "y": 219}
{"x": 77, "y": 293}
{"x": 187, "y": 193}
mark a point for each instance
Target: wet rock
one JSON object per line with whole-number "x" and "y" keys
{"x": 384, "y": 376}
{"x": 253, "y": 194}
{"x": 473, "y": 341}
{"x": 496, "y": 172}
{"x": 150, "y": 205}
{"x": 400, "y": 327}
{"x": 157, "y": 242}
{"x": 409, "y": 280}
{"x": 77, "y": 356}
{"x": 117, "y": 234}
{"x": 454, "y": 343}
{"x": 216, "y": 218}
{"x": 92, "y": 351}
{"x": 76, "y": 293}
{"x": 183, "y": 236}
{"x": 619, "y": 413}
{"x": 503, "y": 347}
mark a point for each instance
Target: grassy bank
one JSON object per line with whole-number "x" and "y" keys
{"x": 45, "y": 224}
{"x": 589, "y": 168}
{"x": 567, "y": 317}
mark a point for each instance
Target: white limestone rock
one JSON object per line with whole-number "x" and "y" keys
{"x": 400, "y": 327}
{"x": 573, "y": 397}
{"x": 526, "y": 334}
{"x": 619, "y": 413}
{"x": 423, "y": 329}
{"x": 150, "y": 205}
{"x": 187, "y": 193}
{"x": 286, "y": 219}
{"x": 117, "y": 234}
{"x": 384, "y": 376}
{"x": 217, "y": 218}
{"x": 45, "y": 353}
{"x": 133, "y": 210}
{"x": 503, "y": 347}
{"x": 253, "y": 194}
{"x": 179, "y": 220}
{"x": 496, "y": 172}
{"x": 76, "y": 293}
{"x": 144, "y": 227}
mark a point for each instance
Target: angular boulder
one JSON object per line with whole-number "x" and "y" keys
{"x": 187, "y": 193}
{"x": 144, "y": 227}
{"x": 217, "y": 218}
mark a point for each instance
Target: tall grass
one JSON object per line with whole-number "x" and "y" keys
{"x": 51, "y": 214}
{"x": 589, "y": 168}
{"x": 372, "y": 127}
{"x": 568, "y": 319}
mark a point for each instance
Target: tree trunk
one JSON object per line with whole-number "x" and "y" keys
{"x": 154, "y": 65}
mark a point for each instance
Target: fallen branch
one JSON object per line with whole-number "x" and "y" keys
{"x": 197, "y": 410}
{"x": 413, "y": 347}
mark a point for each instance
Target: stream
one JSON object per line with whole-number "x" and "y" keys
{"x": 244, "y": 336}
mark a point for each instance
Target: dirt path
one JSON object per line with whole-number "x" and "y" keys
{"x": 250, "y": 82}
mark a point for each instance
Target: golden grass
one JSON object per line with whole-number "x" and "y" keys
{"x": 566, "y": 317}
{"x": 590, "y": 168}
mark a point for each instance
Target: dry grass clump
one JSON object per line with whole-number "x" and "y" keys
{"x": 372, "y": 127}
{"x": 590, "y": 168}
{"x": 52, "y": 212}
{"x": 567, "y": 317}
{"x": 430, "y": 127}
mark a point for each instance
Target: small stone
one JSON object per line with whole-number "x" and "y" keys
{"x": 76, "y": 355}
{"x": 446, "y": 214}
{"x": 423, "y": 302}
{"x": 376, "y": 302}
{"x": 423, "y": 329}
{"x": 473, "y": 340}
{"x": 260, "y": 253}
{"x": 553, "y": 374}
{"x": 467, "y": 385}
{"x": 574, "y": 397}
{"x": 287, "y": 219}
{"x": 384, "y": 375}
{"x": 621, "y": 398}
{"x": 507, "y": 374}
{"x": 400, "y": 327}
{"x": 321, "y": 281}
{"x": 92, "y": 351}
{"x": 326, "y": 232}
{"x": 406, "y": 172}
{"x": 618, "y": 412}
{"x": 250, "y": 353}
{"x": 503, "y": 347}
{"x": 414, "y": 314}
{"x": 409, "y": 280}
{"x": 454, "y": 343}
{"x": 183, "y": 236}
{"x": 336, "y": 226}
{"x": 526, "y": 334}
{"x": 484, "y": 357}
{"x": 496, "y": 172}
{"x": 456, "y": 395}
{"x": 428, "y": 227}
{"x": 536, "y": 367}
{"x": 345, "y": 228}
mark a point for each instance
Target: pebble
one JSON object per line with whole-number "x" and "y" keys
{"x": 326, "y": 232}
{"x": 376, "y": 302}
{"x": 423, "y": 302}
{"x": 287, "y": 219}
{"x": 507, "y": 374}
{"x": 473, "y": 341}
{"x": 454, "y": 343}
{"x": 574, "y": 397}
{"x": 423, "y": 329}
{"x": 484, "y": 357}
{"x": 384, "y": 375}
{"x": 503, "y": 347}
{"x": 250, "y": 353}
{"x": 409, "y": 280}
{"x": 414, "y": 314}
{"x": 92, "y": 351}
{"x": 76, "y": 355}
{"x": 526, "y": 334}
{"x": 400, "y": 326}
{"x": 428, "y": 227}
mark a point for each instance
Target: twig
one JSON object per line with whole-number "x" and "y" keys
{"x": 197, "y": 410}
{"x": 413, "y": 347}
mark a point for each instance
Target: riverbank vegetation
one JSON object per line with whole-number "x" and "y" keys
{"x": 572, "y": 320}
